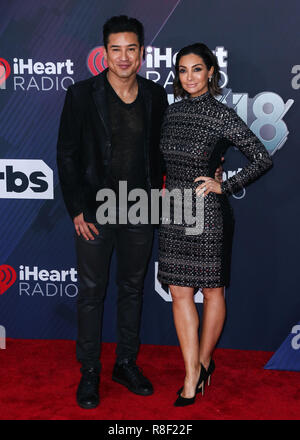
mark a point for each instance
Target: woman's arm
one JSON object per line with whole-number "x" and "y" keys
{"x": 238, "y": 133}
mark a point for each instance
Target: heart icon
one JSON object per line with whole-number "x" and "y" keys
{"x": 4, "y": 70}
{"x": 7, "y": 277}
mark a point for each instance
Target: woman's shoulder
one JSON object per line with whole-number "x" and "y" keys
{"x": 223, "y": 106}
{"x": 222, "y": 110}
{"x": 177, "y": 105}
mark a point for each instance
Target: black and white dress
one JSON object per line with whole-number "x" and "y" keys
{"x": 196, "y": 133}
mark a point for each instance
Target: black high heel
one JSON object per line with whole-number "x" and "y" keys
{"x": 184, "y": 401}
{"x": 209, "y": 372}
{"x": 202, "y": 380}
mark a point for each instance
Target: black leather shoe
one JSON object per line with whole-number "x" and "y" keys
{"x": 88, "y": 389}
{"x": 127, "y": 373}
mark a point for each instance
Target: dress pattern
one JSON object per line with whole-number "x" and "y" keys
{"x": 196, "y": 133}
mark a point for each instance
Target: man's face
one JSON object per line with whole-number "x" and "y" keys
{"x": 123, "y": 54}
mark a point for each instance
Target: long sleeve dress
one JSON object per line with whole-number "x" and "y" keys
{"x": 196, "y": 133}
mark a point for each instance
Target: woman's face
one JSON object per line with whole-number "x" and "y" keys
{"x": 193, "y": 74}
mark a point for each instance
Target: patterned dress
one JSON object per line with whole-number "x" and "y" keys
{"x": 195, "y": 135}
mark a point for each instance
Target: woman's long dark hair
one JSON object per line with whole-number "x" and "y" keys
{"x": 209, "y": 59}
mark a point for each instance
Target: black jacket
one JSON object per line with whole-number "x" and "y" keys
{"x": 84, "y": 142}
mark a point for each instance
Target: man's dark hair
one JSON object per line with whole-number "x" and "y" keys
{"x": 122, "y": 23}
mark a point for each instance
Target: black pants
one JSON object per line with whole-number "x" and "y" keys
{"x": 133, "y": 248}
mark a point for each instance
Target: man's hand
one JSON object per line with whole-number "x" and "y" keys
{"x": 219, "y": 172}
{"x": 83, "y": 227}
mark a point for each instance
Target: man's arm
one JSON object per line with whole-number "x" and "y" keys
{"x": 68, "y": 164}
{"x": 68, "y": 157}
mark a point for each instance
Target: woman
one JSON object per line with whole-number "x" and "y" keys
{"x": 197, "y": 131}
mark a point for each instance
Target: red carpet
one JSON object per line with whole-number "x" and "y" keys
{"x": 38, "y": 381}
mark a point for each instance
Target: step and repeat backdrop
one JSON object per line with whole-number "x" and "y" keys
{"x": 47, "y": 45}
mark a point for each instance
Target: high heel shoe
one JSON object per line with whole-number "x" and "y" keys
{"x": 201, "y": 381}
{"x": 184, "y": 401}
{"x": 209, "y": 372}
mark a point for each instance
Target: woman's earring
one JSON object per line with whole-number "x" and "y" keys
{"x": 209, "y": 79}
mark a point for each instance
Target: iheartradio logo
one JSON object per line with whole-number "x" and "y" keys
{"x": 95, "y": 60}
{"x": 8, "y": 276}
{"x": 4, "y": 72}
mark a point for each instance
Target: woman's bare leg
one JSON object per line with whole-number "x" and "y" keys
{"x": 214, "y": 312}
{"x": 186, "y": 321}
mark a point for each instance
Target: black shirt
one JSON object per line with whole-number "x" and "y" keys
{"x": 127, "y": 140}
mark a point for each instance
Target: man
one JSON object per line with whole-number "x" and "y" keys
{"x": 109, "y": 132}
